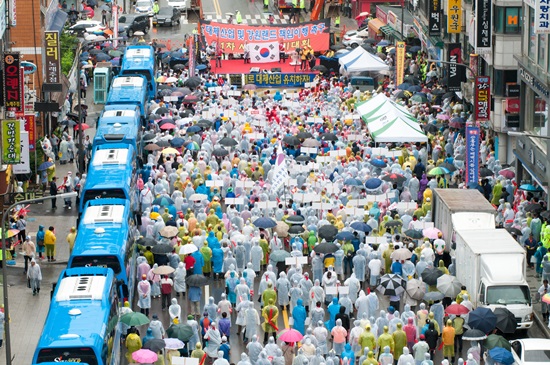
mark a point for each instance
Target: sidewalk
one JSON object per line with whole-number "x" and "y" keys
{"x": 28, "y": 312}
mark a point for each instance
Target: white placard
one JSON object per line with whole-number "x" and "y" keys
{"x": 354, "y": 137}
{"x": 304, "y": 198}
{"x": 418, "y": 225}
{"x": 300, "y": 260}
{"x": 178, "y": 360}
{"x": 24, "y": 167}
{"x": 323, "y": 159}
{"x": 338, "y": 153}
{"x": 170, "y": 98}
{"x": 406, "y": 206}
{"x": 334, "y": 290}
{"x": 207, "y": 114}
{"x": 376, "y": 198}
{"x": 246, "y": 184}
{"x": 358, "y": 202}
{"x": 331, "y": 188}
{"x": 254, "y": 135}
{"x": 312, "y": 120}
{"x": 321, "y": 206}
{"x": 234, "y": 93}
{"x": 234, "y": 201}
{"x": 267, "y": 205}
{"x": 292, "y": 182}
{"x": 214, "y": 183}
{"x": 308, "y": 150}
{"x": 375, "y": 240}
{"x": 309, "y": 85}
{"x": 379, "y": 151}
{"x": 355, "y": 211}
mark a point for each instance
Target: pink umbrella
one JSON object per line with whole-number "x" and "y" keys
{"x": 431, "y": 233}
{"x": 442, "y": 117}
{"x": 144, "y": 356}
{"x": 168, "y": 126}
{"x": 509, "y": 174}
{"x": 290, "y": 335}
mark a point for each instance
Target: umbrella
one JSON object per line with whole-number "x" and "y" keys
{"x": 169, "y": 231}
{"x": 304, "y": 135}
{"x": 483, "y": 319}
{"x": 279, "y": 255}
{"x": 188, "y": 249}
{"x": 311, "y": 142}
{"x": 509, "y": 174}
{"x": 329, "y": 137}
{"x": 431, "y": 233}
{"x": 173, "y": 343}
{"x": 416, "y": 289}
{"x": 193, "y": 82}
{"x": 432, "y": 296}
{"x": 320, "y": 68}
{"x": 373, "y": 183}
{"x": 82, "y": 126}
{"x": 163, "y": 201}
{"x": 167, "y": 126}
{"x": 145, "y": 241}
{"x": 419, "y": 99}
{"x": 170, "y": 151}
{"x": 401, "y": 94}
{"x": 152, "y": 147}
{"x": 361, "y": 226}
{"x": 430, "y": 275}
{"x": 177, "y": 142}
{"x": 204, "y": 122}
{"x": 456, "y": 309}
{"x": 193, "y": 129}
{"x": 303, "y": 158}
{"x": 328, "y": 232}
{"x": 530, "y": 187}
{"x": 290, "y": 335}
{"x": 281, "y": 229}
{"x": 11, "y": 233}
{"x": 228, "y": 142}
{"x": 545, "y": 214}
{"x": 413, "y": 233}
{"x": 493, "y": 341}
{"x": 474, "y": 335}
{"x": 291, "y": 140}
{"x": 144, "y": 356}
{"x": 192, "y": 146}
{"x": 163, "y": 269}
{"x": 353, "y": 182}
{"x": 448, "y": 285}
{"x": 448, "y": 166}
{"x": 485, "y": 172}
{"x": 506, "y": 321}
{"x": 249, "y": 87}
{"x": 45, "y": 165}
{"x": 295, "y": 219}
{"x": 183, "y": 332}
{"x": 514, "y": 231}
{"x": 161, "y": 110}
{"x": 394, "y": 224}
{"x": 344, "y": 236}
{"x": 265, "y": 223}
{"x": 220, "y": 152}
{"x": 394, "y": 178}
{"x": 377, "y": 162}
{"x": 154, "y": 345}
{"x": 404, "y": 86}
{"x": 197, "y": 197}
{"x": 296, "y": 229}
{"x": 533, "y": 208}
{"x": 325, "y": 247}
{"x": 196, "y": 280}
{"x": 401, "y": 254}
{"x": 191, "y": 98}
{"x": 438, "y": 171}
{"x": 161, "y": 249}
{"x": 134, "y": 319}
{"x": 149, "y": 137}
{"x": 546, "y": 298}
{"x": 391, "y": 284}
{"x": 501, "y": 355}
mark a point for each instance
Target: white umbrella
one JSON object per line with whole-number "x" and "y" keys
{"x": 197, "y": 197}
{"x": 188, "y": 249}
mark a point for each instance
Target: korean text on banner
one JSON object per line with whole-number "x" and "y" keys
{"x": 456, "y": 75}
{"x": 483, "y": 26}
{"x": 454, "y": 16}
{"x": 53, "y": 63}
{"x": 482, "y": 94}
{"x": 472, "y": 151}
{"x": 24, "y": 167}
{"x": 11, "y": 142}
{"x": 400, "y": 62}
{"x": 13, "y": 89}
{"x": 232, "y": 37}
{"x": 435, "y": 18}
{"x": 264, "y": 52}
{"x": 542, "y": 16}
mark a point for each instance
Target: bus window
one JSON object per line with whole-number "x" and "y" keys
{"x": 73, "y": 355}
{"x": 102, "y": 194}
{"x": 97, "y": 261}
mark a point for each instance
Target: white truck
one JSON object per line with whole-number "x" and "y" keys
{"x": 466, "y": 208}
{"x": 491, "y": 264}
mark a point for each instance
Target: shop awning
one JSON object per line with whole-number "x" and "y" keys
{"x": 435, "y": 41}
{"x": 58, "y": 20}
{"x": 542, "y": 184}
{"x": 390, "y": 32}
{"x": 375, "y": 24}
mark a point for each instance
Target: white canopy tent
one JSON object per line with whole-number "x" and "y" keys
{"x": 360, "y": 60}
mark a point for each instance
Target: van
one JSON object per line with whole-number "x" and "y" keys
{"x": 364, "y": 83}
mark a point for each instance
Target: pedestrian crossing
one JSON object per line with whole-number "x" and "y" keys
{"x": 256, "y": 19}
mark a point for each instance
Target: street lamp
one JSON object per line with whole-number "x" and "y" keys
{"x": 5, "y": 267}
{"x": 523, "y": 134}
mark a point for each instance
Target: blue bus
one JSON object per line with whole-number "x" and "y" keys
{"x": 82, "y": 323}
{"x": 111, "y": 174}
{"x": 129, "y": 90}
{"x": 106, "y": 238}
{"x": 119, "y": 125}
{"x": 140, "y": 60}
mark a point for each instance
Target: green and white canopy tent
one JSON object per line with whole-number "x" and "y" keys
{"x": 388, "y": 121}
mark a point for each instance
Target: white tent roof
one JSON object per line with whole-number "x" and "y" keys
{"x": 360, "y": 60}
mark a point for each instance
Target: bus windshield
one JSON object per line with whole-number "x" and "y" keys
{"x": 73, "y": 355}
{"x": 97, "y": 261}
{"x": 508, "y": 294}
{"x": 145, "y": 73}
{"x": 103, "y": 194}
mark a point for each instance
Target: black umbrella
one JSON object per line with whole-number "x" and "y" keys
{"x": 482, "y": 319}
{"x": 154, "y": 345}
{"x": 295, "y": 219}
{"x": 264, "y": 222}
{"x": 220, "y": 152}
{"x": 514, "y": 231}
{"x": 102, "y": 57}
{"x": 163, "y": 143}
{"x": 325, "y": 247}
{"x": 146, "y": 241}
{"x": 304, "y": 135}
{"x": 228, "y": 142}
{"x": 296, "y": 229}
{"x": 533, "y": 208}
{"x": 337, "y": 47}
{"x": 178, "y": 66}
{"x": 161, "y": 249}
{"x": 370, "y": 41}
{"x": 394, "y": 178}
{"x": 196, "y": 280}
{"x": 193, "y": 82}
{"x": 394, "y": 224}
{"x": 414, "y": 234}
{"x": 506, "y": 321}
{"x": 430, "y": 128}
{"x": 162, "y": 110}
{"x": 430, "y": 275}
{"x": 545, "y": 214}
{"x": 291, "y": 140}
{"x": 448, "y": 166}
{"x": 391, "y": 284}
{"x": 485, "y": 172}
{"x": 304, "y": 158}
{"x": 205, "y": 123}
{"x": 474, "y": 335}
{"x": 321, "y": 68}
{"x": 328, "y": 232}
{"x": 329, "y": 137}
{"x": 437, "y": 92}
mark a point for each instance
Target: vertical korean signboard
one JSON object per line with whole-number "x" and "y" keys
{"x": 11, "y": 140}
{"x": 454, "y": 16}
{"x": 483, "y": 27}
{"x": 482, "y": 94}
{"x": 455, "y": 74}
{"x": 52, "y": 57}
{"x": 13, "y": 87}
{"x": 472, "y": 154}
{"x": 400, "y": 62}
{"x": 542, "y": 16}
{"x": 435, "y": 18}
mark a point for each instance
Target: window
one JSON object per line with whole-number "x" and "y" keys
{"x": 532, "y": 42}
{"x": 542, "y": 49}
{"x": 501, "y": 78}
{"x": 507, "y": 20}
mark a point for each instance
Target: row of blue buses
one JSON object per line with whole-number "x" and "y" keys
{"x": 82, "y": 324}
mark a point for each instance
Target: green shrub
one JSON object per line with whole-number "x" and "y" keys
{"x": 69, "y": 44}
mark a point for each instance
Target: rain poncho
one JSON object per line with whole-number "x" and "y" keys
{"x": 333, "y": 310}
{"x": 254, "y": 348}
{"x": 179, "y": 279}
{"x": 211, "y": 308}
{"x": 299, "y": 315}
{"x": 214, "y": 339}
{"x": 283, "y": 288}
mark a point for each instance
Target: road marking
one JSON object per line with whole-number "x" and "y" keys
{"x": 218, "y": 8}
{"x": 285, "y": 318}
{"x": 206, "y": 293}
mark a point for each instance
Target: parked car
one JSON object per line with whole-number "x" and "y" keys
{"x": 131, "y": 23}
{"x": 353, "y": 39}
{"x": 144, "y": 7}
{"x": 531, "y": 351}
{"x": 167, "y": 16}
{"x": 178, "y": 4}
{"x": 86, "y": 26}
{"x": 361, "y": 32}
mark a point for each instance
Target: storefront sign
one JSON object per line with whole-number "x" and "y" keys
{"x": 232, "y": 37}
{"x": 530, "y": 80}
{"x": 482, "y": 98}
{"x": 381, "y": 15}
{"x": 435, "y": 18}
{"x": 11, "y": 142}
{"x": 542, "y": 16}
{"x": 28, "y": 67}
{"x": 278, "y": 79}
{"x": 472, "y": 160}
{"x": 454, "y": 16}
{"x": 52, "y": 57}
{"x": 13, "y": 13}
{"x": 455, "y": 71}
{"x": 13, "y": 88}
{"x": 400, "y": 62}
{"x": 483, "y": 27}
{"x": 23, "y": 167}
{"x": 30, "y": 128}
{"x": 512, "y": 105}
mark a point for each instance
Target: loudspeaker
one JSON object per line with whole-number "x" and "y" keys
{"x": 276, "y": 69}
{"x": 254, "y": 70}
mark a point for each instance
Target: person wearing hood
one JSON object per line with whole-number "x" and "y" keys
{"x": 254, "y": 348}
{"x": 370, "y": 360}
{"x": 299, "y": 316}
{"x": 34, "y": 276}
{"x": 411, "y": 332}
{"x": 406, "y": 358}
{"x": 157, "y": 328}
{"x": 40, "y": 247}
{"x": 175, "y": 311}
{"x": 269, "y": 294}
{"x": 244, "y": 359}
{"x": 375, "y": 267}
{"x": 220, "y": 360}
{"x": 386, "y": 339}
{"x": 354, "y": 335}
{"x": 381, "y": 322}
{"x": 198, "y": 352}
{"x": 180, "y": 286}
{"x": 230, "y": 285}
{"x": 333, "y": 309}
{"x": 321, "y": 335}
{"x": 448, "y": 337}
{"x": 386, "y": 357}
{"x": 283, "y": 289}
{"x": 206, "y": 253}
{"x": 211, "y": 308}
{"x": 344, "y": 317}
{"x": 148, "y": 336}
{"x": 214, "y": 340}
{"x": 317, "y": 267}
{"x": 367, "y": 339}
{"x": 252, "y": 322}
{"x": 256, "y": 256}
{"x": 217, "y": 262}
{"x": 400, "y": 340}
{"x": 144, "y": 295}
{"x": 270, "y": 313}
{"x": 420, "y": 350}
{"x": 348, "y": 354}
{"x": 339, "y": 336}
{"x": 432, "y": 337}
{"x": 133, "y": 344}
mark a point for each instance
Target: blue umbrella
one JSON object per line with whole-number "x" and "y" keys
{"x": 383, "y": 43}
{"x": 201, "y": 67}
{"x": 163, "y": 201}
{"x": 530, "y": 187}
{"x": 361, "y": 226}
{"x": 176, "y": 54}
{"x": 377, "y": 162}
{"x": 501, "y": 355}
{"x": 45, "y": 165}
{"x": 353, "y": 182}
{"x": 373, "y": 183}
{"x": 344, "y": 236}
{"x": 177, "y": 142}
{"x": 404, "y": 86}
{"x": 194, "y": 129}
{"x": 414, "y": 49}
{"x": 414, "y": 88}
{"x": 265, "y": 222}
{"x": 482, "y": 319}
